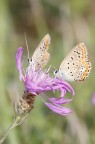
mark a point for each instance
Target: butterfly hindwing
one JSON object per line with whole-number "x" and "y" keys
{"x": 76, "y": 65}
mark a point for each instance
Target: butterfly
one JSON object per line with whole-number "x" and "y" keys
{"x": 41, "y": 56}
{"x": 76, "y": 66}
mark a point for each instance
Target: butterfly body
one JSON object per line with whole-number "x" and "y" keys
{"x": 41, "y": 56}
{"x": 76, "y": 66}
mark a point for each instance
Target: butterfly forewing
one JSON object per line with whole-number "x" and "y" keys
{"x": 76, "y": 65}
{"x": 41, "y": 56}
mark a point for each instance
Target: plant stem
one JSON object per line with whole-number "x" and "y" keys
{"x": 18, "y": 120}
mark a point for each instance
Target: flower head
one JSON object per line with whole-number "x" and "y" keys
{"x": 39, "y": 82}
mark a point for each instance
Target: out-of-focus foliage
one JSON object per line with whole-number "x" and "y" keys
{"x": 67, "y": 22}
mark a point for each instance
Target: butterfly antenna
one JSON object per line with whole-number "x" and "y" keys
{"x": 26, "y": 45}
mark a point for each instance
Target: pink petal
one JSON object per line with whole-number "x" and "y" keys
{"x": 93, "y": 99}
{"x": 57, "y": 109}
{"x": 60, "y": 100}
{"x": 64, "y": 85}
{"x": 18, "y": 62}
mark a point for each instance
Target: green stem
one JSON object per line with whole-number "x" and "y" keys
{"x": 18, "y": 120}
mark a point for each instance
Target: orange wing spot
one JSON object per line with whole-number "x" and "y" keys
{"x": 84, "y": 51}
{"x": 46, "y": 56}
{"x": 84, "y": 61}
{"x": 87, "y": 71}
{"x": 47, "y": 44}
{"x": 47, "y": 41}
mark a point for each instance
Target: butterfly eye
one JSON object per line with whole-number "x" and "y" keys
{"x": 30, "y": 60}
{"x": 55, "y": 72}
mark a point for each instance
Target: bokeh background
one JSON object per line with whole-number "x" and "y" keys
{"x": 68, "y": 23}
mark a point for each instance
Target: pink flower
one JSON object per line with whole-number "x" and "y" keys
{"x": 39, "y": 82}
{"x": 93, "y": 99}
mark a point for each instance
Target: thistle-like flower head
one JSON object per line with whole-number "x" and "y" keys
{"x": 38, "y": 82}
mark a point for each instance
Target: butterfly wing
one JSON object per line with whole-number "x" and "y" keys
{"x": 41, "y": 56}
{"x": 76, "y": 65}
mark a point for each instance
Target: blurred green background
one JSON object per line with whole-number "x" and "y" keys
{"x": 67, "y": 22}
